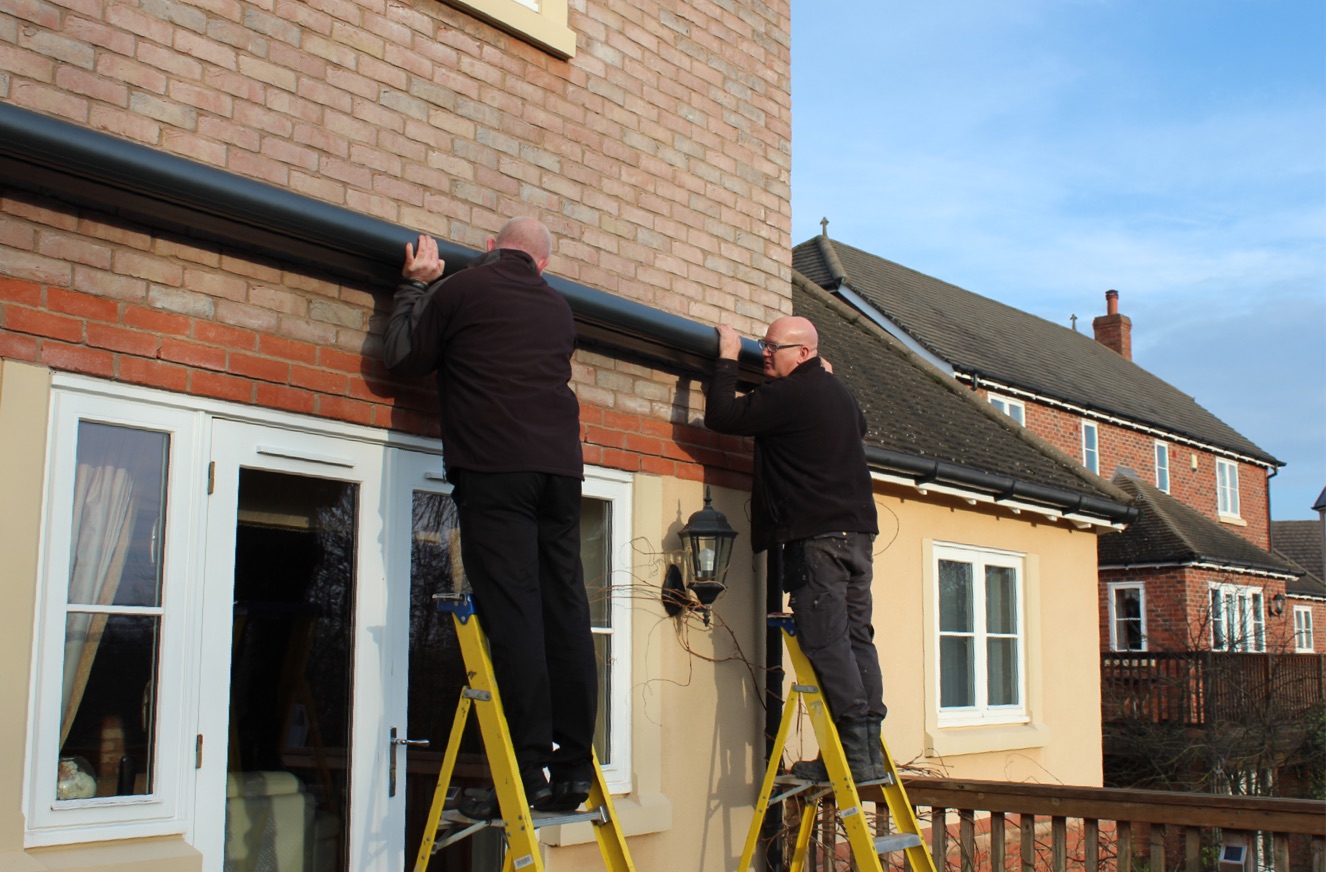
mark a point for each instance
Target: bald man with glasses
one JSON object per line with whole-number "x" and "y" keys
{"x": 813, "y": 497}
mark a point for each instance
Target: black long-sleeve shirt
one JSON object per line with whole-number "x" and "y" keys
{"x": 500, "y": 341}
{"x": 811, "y": 476}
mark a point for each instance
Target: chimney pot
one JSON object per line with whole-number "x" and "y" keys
{"x": 1111, "y": 302}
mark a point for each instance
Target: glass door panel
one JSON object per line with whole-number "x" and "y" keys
{"x": 291, "y": 659}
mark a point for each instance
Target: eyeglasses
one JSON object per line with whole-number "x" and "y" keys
{"x": 774, "y": 347}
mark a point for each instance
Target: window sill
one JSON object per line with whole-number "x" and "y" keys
{"x": 1235, "y": 520}
{"x": 638, "y": 814}
{"x": 956, "y": 741}
{"x": 127, "y": 855}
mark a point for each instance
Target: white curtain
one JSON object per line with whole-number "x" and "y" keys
{"x": 103, "y": 527}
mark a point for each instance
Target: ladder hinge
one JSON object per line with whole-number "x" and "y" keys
{"x": 211, "y": 477}
{"x": 198, "y": 752}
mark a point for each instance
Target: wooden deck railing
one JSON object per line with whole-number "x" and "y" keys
{"x": 1196, "y": 688}
{"x": 991, "y": 826}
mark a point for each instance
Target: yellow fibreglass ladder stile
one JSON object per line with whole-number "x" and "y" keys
{"x": 520, "y": 822}
{"x": 845, "y": 793}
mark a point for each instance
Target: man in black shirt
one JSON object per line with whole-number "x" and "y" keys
{"x": 813, "y": 497}
{"x": 500, "y": 341}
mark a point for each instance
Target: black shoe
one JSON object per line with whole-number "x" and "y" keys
{"x": 482, "y": 805}
{"x": 566, "y": 796}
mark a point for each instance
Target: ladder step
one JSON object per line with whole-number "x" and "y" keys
{"x": 538, "y": 818}
{"x": 887, "y": 844}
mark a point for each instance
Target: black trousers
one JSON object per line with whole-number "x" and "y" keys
{"x": 520, "y": 543}
{"x": 829, "y": 577}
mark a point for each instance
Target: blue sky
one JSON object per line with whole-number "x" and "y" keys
{"x": 1040, "y": 152}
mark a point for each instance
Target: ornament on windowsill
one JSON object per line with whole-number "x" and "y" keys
{"x": 74, "y": 781}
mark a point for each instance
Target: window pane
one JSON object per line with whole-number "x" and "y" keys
{"x": 1217, "y": 621}
{"x": 1001, "y": 599}
{"x": 1128, "y": 619}
{"x": 109, "y": 725}
{"x": 603, "y": 722}
{"x": 955, "y": 597}
{"x": 957, "y": 673}
{"x": 595, "y": 539}
{"x": 119, "y": 516}
{"x": 1002, "y": 671}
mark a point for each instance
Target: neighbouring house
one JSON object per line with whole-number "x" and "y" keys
{"x": 224, "y": 522}
{"x": 1302, "y": 544}
{"x": 1085, "y": 396}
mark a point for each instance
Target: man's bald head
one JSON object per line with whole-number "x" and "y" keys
{"x": 528, "y": 235}
{"x": 789, "y": 342}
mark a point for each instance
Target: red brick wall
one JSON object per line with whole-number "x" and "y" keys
{"x": 1178, "y": 607}
{"x": 658, "y": 156}
{"x": 1120, "y": 446}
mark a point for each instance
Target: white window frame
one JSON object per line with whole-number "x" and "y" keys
{"x": 982, "y": 713}
{"x": 615, "y": 488}
{"x": 1091, "y": 447}
{"x": 1114, "y": 587}
{"x": 1162, "y": 466}
{"x": 1014, "y": 409}
{"x": 164, "y": 811}
{"x": 1227, "y": 488}
{"x": 1238, "y": 617}
{"x": 1304, "y": 643}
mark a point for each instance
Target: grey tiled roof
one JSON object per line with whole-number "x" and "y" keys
{"x": 912, "y": 410}
{"x": 1169, "y": 531}
{"x": 1300, "y": 543}
{"x": 977, "y": 334}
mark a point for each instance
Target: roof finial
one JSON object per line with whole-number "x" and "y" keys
{"x": 824, "y": 227}
{"x": 1073, "y": 318}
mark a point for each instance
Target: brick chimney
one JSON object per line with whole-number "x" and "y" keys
{"x": 1113, "y": 330}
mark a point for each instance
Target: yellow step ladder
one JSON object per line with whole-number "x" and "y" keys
{"x": 847, "y": 795}
{"x": 520, "y": 822}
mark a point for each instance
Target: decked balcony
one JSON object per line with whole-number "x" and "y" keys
{"x": 1204, "y": 688}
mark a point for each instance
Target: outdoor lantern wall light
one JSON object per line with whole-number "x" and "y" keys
{"x": 1278, "y": 604}
{"x": 707, "y": 538}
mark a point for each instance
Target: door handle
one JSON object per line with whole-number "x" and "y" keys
{"x": 397, "y": 743}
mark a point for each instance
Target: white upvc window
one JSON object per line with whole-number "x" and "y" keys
{"x": 1238, "y": 618}
{"x": 982, "y": 646}
{"x": 1012, "y": 408}
{"x": 1127, "y": 612}
{"x": 1162, "y": 466}
{"x": 1303, "y": 641}
{"x": 605, "y": 552}
{"x": 1090, "y": 447}
{"x": 106, "y": 719}
{"x": 1227, "y": 487}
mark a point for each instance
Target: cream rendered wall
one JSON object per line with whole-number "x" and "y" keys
{"x": 1063, "y": 742}
{"x": 24, "y": 392}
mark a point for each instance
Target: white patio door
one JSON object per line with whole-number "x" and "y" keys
{"x": 301, "y": 682}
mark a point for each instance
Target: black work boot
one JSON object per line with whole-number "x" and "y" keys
{"x": 855, "y": 736}
{"x": 856, "y": 746}
{"x": 876, "y": 748}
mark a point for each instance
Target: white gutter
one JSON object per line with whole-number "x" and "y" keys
{"x": 1016, "y": 507}
{"x": 1200, "y": 564}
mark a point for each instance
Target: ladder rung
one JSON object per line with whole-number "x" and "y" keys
{"x": 537, "y": 818}
{"x": 896, "y": 842}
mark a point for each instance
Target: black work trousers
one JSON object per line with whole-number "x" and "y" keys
{"x": 520, "y": 543}
{"x": 829, "y": 577}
